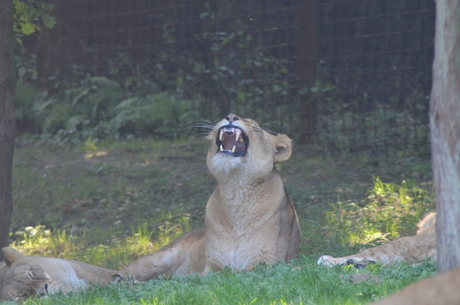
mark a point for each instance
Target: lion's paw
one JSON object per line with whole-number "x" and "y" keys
{"x": 327, "y": 261}
{"x": 359, "y": 262}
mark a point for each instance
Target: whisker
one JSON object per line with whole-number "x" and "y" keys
{"x": 200, "y": 135}
{"x": 203, "y": 124}
{"x": 270, "y": 123}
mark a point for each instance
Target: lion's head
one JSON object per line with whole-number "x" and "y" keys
{"x": 239, "y": 145}
{"x": 20, "y": 282}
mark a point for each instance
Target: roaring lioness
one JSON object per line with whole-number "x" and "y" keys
{"x": 405, "y": 249}
{"x": 22, "y": 276}
{"x": 249, "y": 218}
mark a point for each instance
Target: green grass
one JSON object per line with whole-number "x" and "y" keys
{"x": 110, "y": 202}
{"x": 387, "y": 212}
{"x": 299, "y": 283}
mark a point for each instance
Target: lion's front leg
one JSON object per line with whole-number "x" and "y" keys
{"x": 160, "y": 263}
{"x": 183, "y": 256}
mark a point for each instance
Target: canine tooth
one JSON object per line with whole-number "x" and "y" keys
{"x": 221, "y": 148}
{"x": 233, "y": 149}
{"x": 221, "y": 134}
{"x": 237, "y": 134}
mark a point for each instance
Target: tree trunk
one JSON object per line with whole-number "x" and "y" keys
{"x": 445, "y": 132}
{"x": 7, "y": 122}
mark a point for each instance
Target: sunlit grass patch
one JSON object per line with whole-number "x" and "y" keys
{"x": 114, "y": 253}
{"x": 388, "y": 211}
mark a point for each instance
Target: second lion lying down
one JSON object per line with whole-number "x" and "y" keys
{"x": 249, "y": 218}
{"x": 25, "y": 276}
{"x": 408, "y": 249}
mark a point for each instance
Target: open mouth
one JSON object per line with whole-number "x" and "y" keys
{"x": 232, "y": 141}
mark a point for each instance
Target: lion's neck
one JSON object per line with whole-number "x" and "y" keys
{"x": 240, "y": 189}
{"x": 235, "y": 192}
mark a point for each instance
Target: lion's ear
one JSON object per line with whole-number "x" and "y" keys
{"x": 11, "y": 255}
{"x": 283, "y": 148}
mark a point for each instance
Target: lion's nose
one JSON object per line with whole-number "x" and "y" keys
{"x": 232, "y": 118}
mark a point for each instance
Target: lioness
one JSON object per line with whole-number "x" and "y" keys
{"x": 21, "y": 282}
{"x": 406, "y": 249}
{"x": 23, "y": 275}
{"x": 249, "y": 218}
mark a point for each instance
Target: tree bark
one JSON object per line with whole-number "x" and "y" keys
{"x": 7, "y": 122}
{"x": 445, "y": 132}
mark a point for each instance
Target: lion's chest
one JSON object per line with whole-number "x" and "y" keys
{"x": 238, "y": 257}
{"x": 240, "y": 235}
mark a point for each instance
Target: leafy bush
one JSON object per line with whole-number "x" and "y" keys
{"x": 388, "y": 212}
{"x": 158, "y": 114}
{"x": 99, "y": 108}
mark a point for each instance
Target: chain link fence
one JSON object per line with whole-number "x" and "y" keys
{"x": 348, "y": 75}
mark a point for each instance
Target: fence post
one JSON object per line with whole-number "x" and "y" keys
{"x": 306, "y": 68}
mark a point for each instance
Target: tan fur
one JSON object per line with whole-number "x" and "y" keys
{"x": 22, "y": 282}
{"x": 441, "y": 289}
{"x": 406, "y": 249}
{"x": 183, "y": 256}
{"x": 59, "y": 274}
{"x": 249, "y": 217}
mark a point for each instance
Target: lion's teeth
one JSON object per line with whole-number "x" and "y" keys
{"x": 237, "y": 134}
{"x": 221, "y": 148}
{"x": 233, "y": 149}
{"x": 221, "y": 134}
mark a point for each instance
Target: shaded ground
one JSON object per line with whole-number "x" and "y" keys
{"x": 111, "y": 189}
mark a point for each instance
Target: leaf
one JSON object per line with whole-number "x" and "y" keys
{"x": 48, "y": 21}
{"x": 80, "y": 93}
{"x": 45, "y": 6}
{"x": 227, "y": 40}
{"x": 28, "y": 28}
{"x": 204, "y": 15}
{"x": 74, "y": 121}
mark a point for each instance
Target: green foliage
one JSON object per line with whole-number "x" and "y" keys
{"x": 30, "y": 15}
{"x": 243, "y": 77}
{"x": 159, "y": 114}
{"x": 99, "y": 108}
{"x": 389, "y": 211}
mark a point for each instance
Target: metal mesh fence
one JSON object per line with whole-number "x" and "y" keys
{"x": 349, "y": 75}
